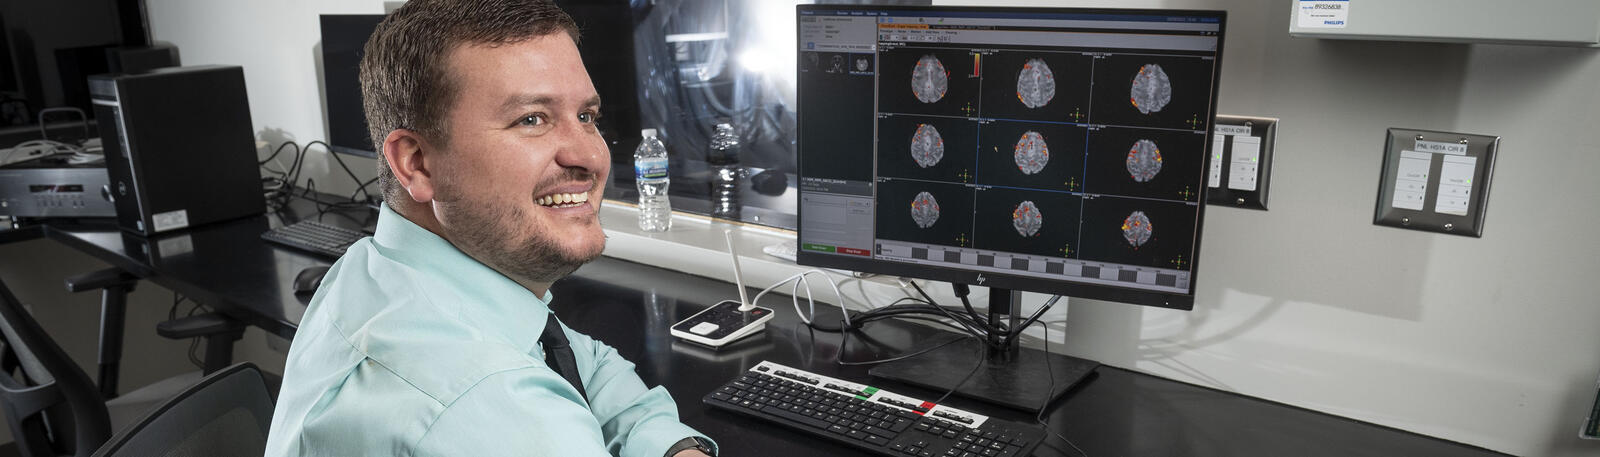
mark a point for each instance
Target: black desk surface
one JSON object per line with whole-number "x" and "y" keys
{"x": 630, "y": 306}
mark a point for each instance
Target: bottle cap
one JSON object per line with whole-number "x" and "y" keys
{"x": 647, "y": 133}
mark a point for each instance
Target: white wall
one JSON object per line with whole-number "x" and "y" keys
{"x": 279, "y": 45}
{"x": 1489, "y": 341}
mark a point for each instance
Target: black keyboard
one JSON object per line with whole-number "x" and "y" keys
{"x": 314, "y": 237}
{"x": 868, "y": 418}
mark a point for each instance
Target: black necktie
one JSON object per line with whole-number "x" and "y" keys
{"x": 559, "y": 355}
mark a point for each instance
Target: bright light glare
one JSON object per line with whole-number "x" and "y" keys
{"x": 770, "y": 49}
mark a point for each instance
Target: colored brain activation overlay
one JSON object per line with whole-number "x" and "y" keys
{"x": 1144, "y": 160}
{"x": 1036, "y": 85}
{"x": 929, "y": 81}
{"x": 924, "y": 210}
{"x": 927, "y": 147}
{"x": 1151, "y": 89}
{"x": 1137, "y": 229}
{"x": 1027, "y": 219}
{"x": 1032, "y": 154}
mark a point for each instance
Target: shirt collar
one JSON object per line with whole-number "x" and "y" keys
{"x": 478, "y": 294}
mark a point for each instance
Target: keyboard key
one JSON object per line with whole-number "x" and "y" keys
{"x": 820, "y": 405}
{"x": 795, "y": 417}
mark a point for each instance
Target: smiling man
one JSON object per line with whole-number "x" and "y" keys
{"x": 434, "y": 337}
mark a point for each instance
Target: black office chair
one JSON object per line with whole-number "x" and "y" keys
{"x": 51, "y": 405}
{"x": 227, "y": 413}
{"x": 114, "y": 285}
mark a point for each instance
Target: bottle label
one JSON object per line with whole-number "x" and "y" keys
{"x": 650, "y": 168}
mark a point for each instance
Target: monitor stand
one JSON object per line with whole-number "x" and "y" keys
{"x": 1012, "y": 376}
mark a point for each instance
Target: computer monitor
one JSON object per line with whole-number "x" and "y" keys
{"x": 1058, "y": 150}
{"x": 344, "y": 36}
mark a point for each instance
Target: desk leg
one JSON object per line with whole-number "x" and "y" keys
{"x": 113, "y": 313}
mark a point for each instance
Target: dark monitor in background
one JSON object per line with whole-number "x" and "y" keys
{"x": 1060, "y": 151}
{"x": 48, "y": 49}
{"x": 343, "y": 38}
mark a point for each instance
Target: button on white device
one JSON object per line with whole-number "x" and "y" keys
{"x": 703, "y": 328}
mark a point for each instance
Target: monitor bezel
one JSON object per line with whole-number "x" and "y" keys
{"x": 327, "y": 117}
{"x": 1017, "y": 282}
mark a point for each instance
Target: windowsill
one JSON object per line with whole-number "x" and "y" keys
{"x": 695, "y": 245}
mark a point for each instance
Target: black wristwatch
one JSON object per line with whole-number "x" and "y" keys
{"x": 693, "y": 442}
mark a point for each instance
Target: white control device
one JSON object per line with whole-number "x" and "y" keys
{"x": 727, "y": 321}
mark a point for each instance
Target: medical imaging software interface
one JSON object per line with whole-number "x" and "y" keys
{"x": 1050, "y": 145}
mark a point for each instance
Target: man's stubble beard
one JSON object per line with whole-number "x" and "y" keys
{"x": 480, "y": 231}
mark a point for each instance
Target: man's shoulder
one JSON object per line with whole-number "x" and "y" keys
{"x": 392, "y": 316}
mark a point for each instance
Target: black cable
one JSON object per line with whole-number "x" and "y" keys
{"x": 1048, "y": 367}
{"x": 172, "y": 314}
{"x": 279, "y": 150}
{"x": 961, "y": 291}
{"x": 293, "y": 174}
{"x": 930, "y": 310}
{"x": 897, "y": 309}
{"x": 845, "y": 342}
{"x": 975, "y": 368}
{"x": 977, "y": 329}
{"x": 362, "y": 189}
{"x": 1017, "y": 332}
{"x": 194, "y": 343}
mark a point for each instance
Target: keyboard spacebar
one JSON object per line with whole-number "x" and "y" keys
{"x": 797, "y": 417}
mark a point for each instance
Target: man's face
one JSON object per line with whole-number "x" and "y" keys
{"x": 519, "y": 185}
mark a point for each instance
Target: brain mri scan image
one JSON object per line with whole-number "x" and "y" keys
{"x": 1151, "y": 89}
{"x": 1032, "y": 153}
{"x": 924, "y": 210}
{"x": 1136, "y": 229}
{"x": 929, "y": 81}
{"x": 1027, "y": 219}
{"x": 1144, "y": 161}
{"x": 1036, "y": 85}
{"x": 927, "y": 147}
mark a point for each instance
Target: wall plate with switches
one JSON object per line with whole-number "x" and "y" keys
{"x": 1241, "y": 161}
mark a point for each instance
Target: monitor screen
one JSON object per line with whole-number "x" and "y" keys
{"x": 1062, "y": 151}
{"x": 343, "y": 38}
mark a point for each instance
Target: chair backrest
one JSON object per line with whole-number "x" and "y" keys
{"x": 51, "y": 405}
{"x": 227, "y": 413}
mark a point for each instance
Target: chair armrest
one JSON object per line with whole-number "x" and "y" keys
{"x": 101, "y": 279}
{"x": 199, "y": 325}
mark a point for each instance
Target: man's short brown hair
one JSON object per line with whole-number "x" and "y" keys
{"x": 405, "y": 82}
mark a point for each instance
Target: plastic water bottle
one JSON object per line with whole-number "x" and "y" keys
{"x": 726, "y": 172}
{"x": 650, "y": 172}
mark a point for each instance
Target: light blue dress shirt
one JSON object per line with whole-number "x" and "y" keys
{"x": 411, "y": 347}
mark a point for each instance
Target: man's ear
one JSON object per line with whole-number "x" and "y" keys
{"x": 403, "y": 150}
